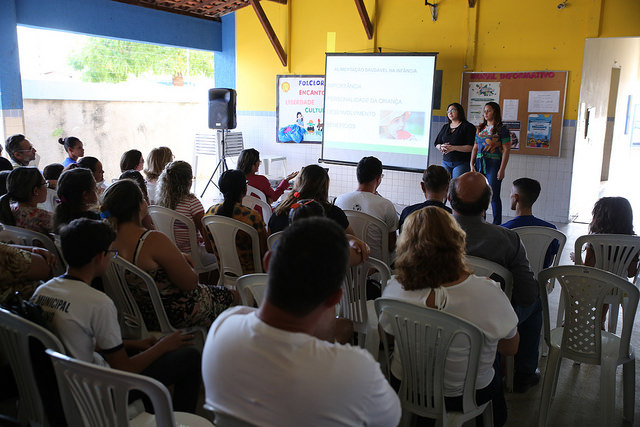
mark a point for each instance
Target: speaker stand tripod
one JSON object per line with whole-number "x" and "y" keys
{"x": 222, "y": 165}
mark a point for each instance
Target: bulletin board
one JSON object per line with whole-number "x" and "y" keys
{"x": 531, "y": 102}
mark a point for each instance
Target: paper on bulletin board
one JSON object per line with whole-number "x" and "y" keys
{"x": 479, "y": 94}
{"x": 510, "y": 109}
{"x": 539, "y": 130}
{"x": 544, "y": 101}
{"x": 514, "y": 131}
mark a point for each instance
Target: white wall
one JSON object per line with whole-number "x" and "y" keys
{"x": 403, "y": 188}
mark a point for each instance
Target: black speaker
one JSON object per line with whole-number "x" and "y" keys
{"x": 222, "y": 109}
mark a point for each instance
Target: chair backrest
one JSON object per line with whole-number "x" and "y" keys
{"x": 252, "y": 202}
{"x": 251, "y": 288}
{"x": 224, "y": 231}
{"x": 21, "y": 236}
{"x": 353, "y": 305}
{"x": 273, "y": 238}
{"x": 15, "y": 335}
{"x": 253, "y": 191}
{"x": 423, "y": 337}
{"x": 100, "y": 394}
{"x": 584, "y": 290}
{"x": 485, "y": 268}
{"x": 127, "y": 268}
{"x": 613, "y": 252}
{"x": 367, "y": 228}
{"x": 116, "y": 287}
{"x": 536, "y": 241}
{"x": 164, "y": 219}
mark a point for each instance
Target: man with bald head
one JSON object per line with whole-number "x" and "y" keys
{"x": 470, "y": 195}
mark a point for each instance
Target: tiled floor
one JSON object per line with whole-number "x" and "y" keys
{"x": 577, "y": 401}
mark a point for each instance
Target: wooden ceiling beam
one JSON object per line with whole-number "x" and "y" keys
{"x": 219, "y": 6}
{"x": 364, "y": 16}
{"x": 213, "y": 17}
{"x": 273, "y": 38}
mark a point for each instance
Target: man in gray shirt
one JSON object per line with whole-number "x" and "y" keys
{"x": 470, "y": 195}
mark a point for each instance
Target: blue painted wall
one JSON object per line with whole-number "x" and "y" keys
{"x": 10, "y": 88}
{"x": 106, "y": 18}
{"x": 225, "y": 61}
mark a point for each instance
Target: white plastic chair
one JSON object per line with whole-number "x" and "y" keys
{"x": 164, "y": 219}
{"x": 273, "y": 238}
{"x": 225, "y": 420}
{"x": 536, "y": 241}
{"x": 224, "y": 231}
{"x": 253, "y": 191}
{"x": 251, "y": 288}
{"x": 100, "y": 395}
{"x": 15, "y": 334}
{"x": 423, "y": 337}
{"x": 366, "y": 227}
{"x": 115, "y": 285}
{"x": 21, "y": 236}
{"x": 265, "y": 209}
{"x": 119, "y": 268}
{"x": 355, "y": 307}
{"x": 613, "y": 253}
{"x": 485, "y": 268}
{"x": 582, "y": 340}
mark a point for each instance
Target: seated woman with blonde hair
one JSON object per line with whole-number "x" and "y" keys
{"x": 431, "y": 273}
{"x": 186, "y": 302}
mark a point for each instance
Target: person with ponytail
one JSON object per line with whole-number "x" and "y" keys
{"x": 26, "y": 187}
{"x": 312, "y": 183}
{"x": 186, "y": 302}
{"x": 490, "y": 154}
{"x": 74, "y": 149}
{"x": 78, "y": 197}
{"x": 174, "y": 193}
{"x": 233, "y": 186}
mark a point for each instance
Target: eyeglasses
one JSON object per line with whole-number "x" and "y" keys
{"x": 112, "y": 251}
{"x": 26, "y": 151}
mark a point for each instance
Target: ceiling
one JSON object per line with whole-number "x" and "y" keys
{"x": 207, "y": 9}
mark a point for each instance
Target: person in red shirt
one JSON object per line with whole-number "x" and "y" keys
{"x": 249, "y": 162}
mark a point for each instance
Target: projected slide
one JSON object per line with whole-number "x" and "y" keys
{"x": 378, "y": 105}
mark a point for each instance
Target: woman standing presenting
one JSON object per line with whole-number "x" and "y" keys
{"x": 490, "y": 154}
{"x": 455, "y": 141}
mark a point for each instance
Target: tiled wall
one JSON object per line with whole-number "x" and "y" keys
{"x": 403, "y": 188}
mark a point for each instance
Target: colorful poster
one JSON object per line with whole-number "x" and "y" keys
{"x": 539, "y": 131}
{"x": 479, "y": 94}
{"x": 300, "y": 108}
{"x": 514, "y": 130}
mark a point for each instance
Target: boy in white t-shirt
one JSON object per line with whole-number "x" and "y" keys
{"x": 86, "y": 320}
{"x": 367, "y": 200}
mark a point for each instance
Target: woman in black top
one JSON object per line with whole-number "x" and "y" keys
{"x": 455, "y": 141}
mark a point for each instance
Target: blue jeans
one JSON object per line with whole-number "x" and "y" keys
{"x": 456, "y": 168}
{"x": 529, "y": 327}
{"x": 490, "y": 171}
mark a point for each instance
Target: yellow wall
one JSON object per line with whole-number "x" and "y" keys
{"x": 511, "y": 36}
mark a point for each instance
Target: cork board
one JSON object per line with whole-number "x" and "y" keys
{"x": 531, "y": 102}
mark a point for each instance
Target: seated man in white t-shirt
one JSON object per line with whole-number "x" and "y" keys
{"x": 367, "y": 200}
{"x": 86, "y": 319}
{"x": 273, "y": 366}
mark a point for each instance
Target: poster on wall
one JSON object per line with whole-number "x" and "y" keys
{"x": 299, "y": 108}
{"x": 479, "y": 94}
{"x": 514, "y": 132}
{"x": 539, "y": 130}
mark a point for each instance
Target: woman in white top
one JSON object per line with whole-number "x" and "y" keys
{"x": 430, "y": 272}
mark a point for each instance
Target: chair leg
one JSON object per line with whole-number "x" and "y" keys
{"x": 548, "y": 385}
{"x": 487, "y": 415}
{"x": 509, "y": 362}
{"x": 629, "y": 389}
{"x": 607, "y": 389}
